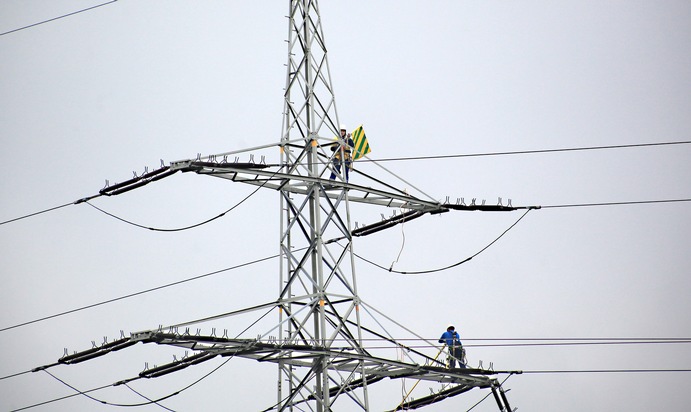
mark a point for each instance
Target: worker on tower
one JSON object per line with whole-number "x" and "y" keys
{"x": 456, "y": 352}
{"x": 343, "y": 156}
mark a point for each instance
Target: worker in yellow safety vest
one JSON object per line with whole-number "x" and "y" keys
{"x": 343, "y": 154}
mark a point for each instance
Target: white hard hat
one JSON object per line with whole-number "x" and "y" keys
{"x": 343, "y": 127}
{"x": 451, "y": 326}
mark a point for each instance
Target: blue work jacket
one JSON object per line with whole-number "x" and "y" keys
{"x": 450, "y": 338}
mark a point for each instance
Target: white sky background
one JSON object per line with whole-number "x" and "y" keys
{"x": 102, "y": 93}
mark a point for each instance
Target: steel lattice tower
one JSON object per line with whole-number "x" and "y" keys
{"x": 318, "y": 288}
{"x": 317, "y": 342}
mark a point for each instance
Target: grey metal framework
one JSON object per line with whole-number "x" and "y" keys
{"x": 318, "y": 299}
{"x": 320, "y": 342}
{"x": 319, "y": 349}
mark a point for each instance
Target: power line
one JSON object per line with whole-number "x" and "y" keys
{"x": 186, "y": 227}
{"x": 76, "y": 202}
{"x": 581, "y": 339}
{"x": 146, "y": 397}
{"x": 36, "y": 213}
{"x": 150, "y": 401}
{"x": 589, "y": 339}
{"x": 424, "y": 272}
{"x": 138, "y": 293}
{"x": 634, "y": 202}
{"x": 14, "y": 375}
{"x": 59, "y": 17}
{"x": 515, "y": 223}
{"x": 61, "y": 398}
{"x": 523, "y": 152}
{"x": 85, "y": 393}
{"x": 486, "y": 396}
{"x": 535, "y": 372}
{"x": 85, "y": 200}
{"x": 545, "y": 344}
{"x": 165, "y": 230}
{"x": 75, "y": 389}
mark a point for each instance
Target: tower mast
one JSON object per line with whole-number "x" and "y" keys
{"x": 317, "y": 290}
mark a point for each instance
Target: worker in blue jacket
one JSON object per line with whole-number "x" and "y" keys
{"x": 453, "y": 341}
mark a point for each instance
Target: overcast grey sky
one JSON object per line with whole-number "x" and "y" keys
{"x": 103, "y": 93}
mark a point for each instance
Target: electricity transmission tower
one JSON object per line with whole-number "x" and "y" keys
{"x": 319, "y": 341}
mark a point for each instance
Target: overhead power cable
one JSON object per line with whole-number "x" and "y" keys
{"x": 535, "y": 372}
{"x": 76, "y": 202}
{"x": 543, "y": 344}
{"x": 589, "y": 339}
{"x": 59, "y": 17}
{"x": 634, "y": 202}
{"x": 125, "y": 382}
{"x": 167, "y": 230}
{"x": 423, "y": 272}
{"x": 180, "y": 228}
{"x": 136, "y": 182}
{"x": 425, "y": 158}
{"x": 139, "y": 293}
{"x": 486, "y": 396}
{"x": 146, "y": 397}
{"x": 14, "y": 375}
{"x": 85, "y": 200}
{"x": 86, "y": 393}
{"x": 36, "y": 213}
{"x": 523, "y": 152}
{"x": 60, "y": 398}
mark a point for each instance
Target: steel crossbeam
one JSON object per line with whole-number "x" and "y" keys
{"x": 303, "y": 185}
